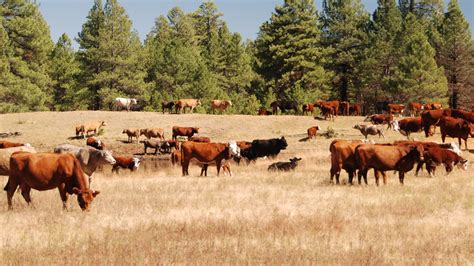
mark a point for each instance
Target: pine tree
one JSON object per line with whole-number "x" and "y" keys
{"x": 29, "y": 37}
{"x": 345, "y": 33}
{"x": 457, "y": 57}
{"x": 64, "y": 72}
{"x": 290, "y": 56}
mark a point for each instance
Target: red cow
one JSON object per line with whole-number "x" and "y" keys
{"x": 455, "y": 128}
{"x": 415, "y": 108}
{"x": 396, "y": 108}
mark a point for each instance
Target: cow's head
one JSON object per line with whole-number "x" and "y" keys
{"x": 234, "y": 149}
{"x": 282, "y": 143}
{"x": 395, "y": 125}
{"x": 85, "y": 197}
{"x": 317, "y": 128}
{"x": 462, "y": 164}
{"x": 295, "y": 159}
{"x": 136, "y": 164}
{"x": 195, "y": 130}
{"x": 104, "y": 157}
{"x": 102, "y": 123}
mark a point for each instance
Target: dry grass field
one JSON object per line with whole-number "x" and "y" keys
{"x": 157, "y": 216}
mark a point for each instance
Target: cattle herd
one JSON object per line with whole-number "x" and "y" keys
{"x": 70, "y": 168}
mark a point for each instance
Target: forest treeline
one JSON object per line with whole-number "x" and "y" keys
{"x": 407, "y": 50}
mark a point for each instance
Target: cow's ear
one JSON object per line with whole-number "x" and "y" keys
{"x": 76, "y": 191}
{"x": 95, "y": 193}
{"x": 84, "y": 155}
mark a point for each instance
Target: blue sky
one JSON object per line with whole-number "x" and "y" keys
{"x": 243, "y": 16}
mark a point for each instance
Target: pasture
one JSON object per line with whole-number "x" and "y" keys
{"x": 156, "y": 216}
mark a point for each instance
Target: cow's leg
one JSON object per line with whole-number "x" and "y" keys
{"x": 419, "y": 167}
{"x": 359, "y": 175}
{"x": 218, "y": 165}
{"x": 25, "y": 192}
{"x": 401, "y": 176}
{"x": 384, "y": 176}
{"x": 351, "y": 175}
{"x": 63, "y": 194}
{"x": 377, "y": 175}
{"x": 184, "y": 167}
{"x": 332, "y": 172}
{"x": 365, "y": 176}
{"x": 11, "y": 188}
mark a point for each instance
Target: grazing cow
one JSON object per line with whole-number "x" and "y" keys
{"x": 383, "y": 158}
{"x": 45, "y": 171}
{"x": 5, "y": 155}
{"x": 126, "y": 103}
{"x": 369, "y": 130}
{"x": 312, "y": 131}
{"x": 382, "y": 107}
{"x": 380, "y": 119}
{"x": 308, "y": 108}
{"x": 396, "y": 108}
{"x": 89, "y": 158}
{"x": 431, "y": 119}
{"x": 182, "y": 104}
{"x": 5, "y": 144}
{"x": 344, "y": 108}
{"x": 455, "y": 128}
{"x": 87, "y": 127}
{"x": 200, "y": 139}
{"x": 95, "y": 143}
{"x": 284, "y": 105}
{"x": 153, "y": 133}
{"x": 432, "y": 106}
{"x": 207, "y": 153}
{"x": 132, "y": 132}
{"x": 167, "y": 105}
{"x": 415, "y": 108}
{"x": 435, "y": 156}
{"x": 220, "y": 105}
{"x": 355, "y": 109}
{"x": 468, "y": 116}
{"x": 408, "y": 125}
{"x": 265, "y": 147}
{"x": 155, "y": 144}
{"x": 342, "y": 157}
{"x": 284, "y": 166}
{"x": 123, "y": 162}
{"x": 263, "y": 111}
{"x": 184, "y": 131}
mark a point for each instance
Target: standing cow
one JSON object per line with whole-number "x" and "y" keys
{"x": 182, "y": 104}
{"x": 220, "y": 105}
{"x": 121, "y": 103}
{"x": 207, "y": 153}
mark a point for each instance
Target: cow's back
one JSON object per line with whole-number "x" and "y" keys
{"x": 5, "y": 155}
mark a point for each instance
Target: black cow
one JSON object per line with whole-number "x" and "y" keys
{"x": 167, "y": 105}
{"x": 285, "y": 166}
{"x": 381, "y": 107}
{"x": 264, "y": 147}
{"x": 284, "y": 105}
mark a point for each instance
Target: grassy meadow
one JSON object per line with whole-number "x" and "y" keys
{"x": 156, "y": 216}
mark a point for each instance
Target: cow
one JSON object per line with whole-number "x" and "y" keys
{"x": 264, "y": 147}
{"x": 45, "y": 171}
{"x": 284, "y": 105}
{"x": 87, "y": 127}
{"x": 328, "y": 108}
{"x": 415, "y": 108}
{"x": 176, "y": 160}
{"x": 167, "y": 105}
{"x": 95, "y": 143}
{"x": 126, "y": 103}
{"x": 155, "y": 144}
{"x": 342, "y": 157}
{"x": 220, "y": 105}
{"x": 263, "y": 111}
{"x": 172, "y": 144}
{"x": 383, "y": 158}
{"x": 200, "y": 139}
{"x": 153, "y": 133}
{"x": 308, "y": 108}
{"x": 430, "y": 118}
{"x": 355, "y": 109}
{"x": 435, "y": 156}
{"x": 468, "y": 116}
{"x": 124, "y": 162}
{"x": 380, "y": 119}
{"x": 433, "y": 106}
{"x": 284, "y": 166}
{"x": 184, "y": 131}
{"x": 312, "y": 131}
{"x": 131, "y": 133}
{"x": 344, "y": 108}
{"x": 5, "y": 155}
{"x": 396, "y": 108}
{"x": 182, "y": 104}
{"x": 408, "y": 125}
{"x": 455, "y": 128}
{"x": 382, "y": 107}
{"x": 369, "y": 130}
{"x": 89, "y": 158}
{"x": 206, "y": 153}
{"x": 5, "y": 144}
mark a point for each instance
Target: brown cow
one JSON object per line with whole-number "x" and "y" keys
{"x": 468, "y": 116}
{"x": 132, "y": 132}
{"x": 431, "y": 119}
{"x": 5, "y": 144}
{"x": 200, "y": 139}
{"x": 401, "y": 158}
{"x": 342, "y": 157}
{"x": 87, "y": 127}
{"x": 263, "y": 111}
{"x": 45, "y": 171}
{"x": 355, "y": 109}
{"x": 415, "y": 108}
{"x": 344, "y": 108}
{"x": 312, "y": 131}
{"x": 176, "y": 160}
{"x": 95, "y": 143}
{"x": 396, "y": 108}
{"x": 207, "y": 153}
{"x": 408, "y": 125}
{"x": 182, "y": 104}
{"x": 455, "y": 128}
{"x": 432, "y": 106}
{"x": 184, "y": 131}
{"x": 153, "y": 133}
{"x": 124, "y": 162}
{"x": 380, "y": 119}
{"x": 308, "y": 108}
{"x": 220, "y": 105}
{"x": 435, "y": 156}
{"x": 328, "y": 109}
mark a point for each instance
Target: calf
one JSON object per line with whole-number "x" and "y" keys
{"x": 167, "y": 105}
{"x": 308, "y": 108}
{"x": 312, "y": 131}
{"x": 435, "y": 156}
{"x": 157, "y": 145}
{"x": 153, "y": 133}
{"x": 455, "y": 128}
{"x": 182, "y": 104}
{"x": 5, "y": 144}
{"x": 220, "y": 105}
{"x": 380, "y": 119}
{"x": 284, "y": 166}
{"x": 125, "y": 163}
{"x": 95, "y": 143}
{"x": 132, "y": 132}
{"x": 369, "y": 130}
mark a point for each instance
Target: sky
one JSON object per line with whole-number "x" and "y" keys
{"x": 243, "y": 16}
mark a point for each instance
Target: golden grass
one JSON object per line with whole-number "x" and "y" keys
{"x": 157, "y": 216}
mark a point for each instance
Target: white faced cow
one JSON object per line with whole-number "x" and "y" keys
{"x": 121, "y": 103}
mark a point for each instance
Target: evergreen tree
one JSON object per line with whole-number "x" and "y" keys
{"x": 457, "y": 57}
{"x": 345, "y": 33}
{"x": 64, "y": 72}
{"x": 290, "y": 55}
